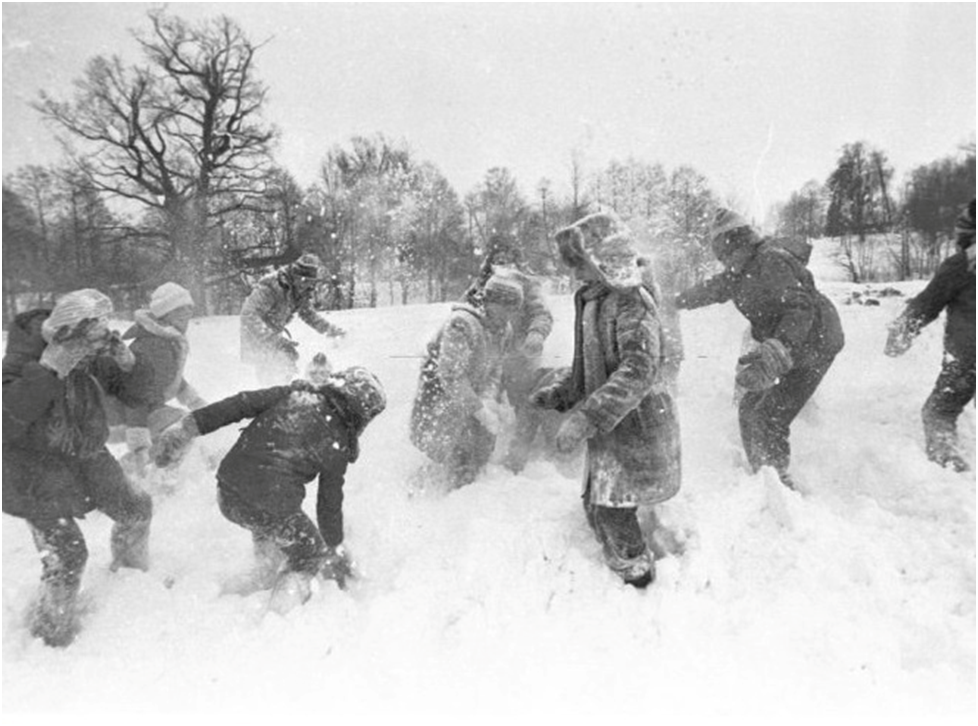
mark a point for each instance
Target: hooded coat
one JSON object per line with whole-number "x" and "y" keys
{"x": 773, "y": 289}
{"x": 617, "y": 381}
{"x": 462, "y": 366}
{"x": 157, "y": 377}
{"x": 269, "y": 309}
{"x": 54, "y": 430}
{"x": 294, "y": 437}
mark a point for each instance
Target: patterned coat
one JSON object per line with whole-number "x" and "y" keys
{"x": 616, "y": 381}
{"x": 463, "y": 365}
{"x": 269, "y": 309}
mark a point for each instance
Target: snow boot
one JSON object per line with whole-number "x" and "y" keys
{"x": 54, "y": 616}
{"x": 941, "y": 440}
{"x": 639, "y": 571}
{"x": 130, "y": 545}
{"x": 291, "y": 590}
{"x": 785, "y": 476}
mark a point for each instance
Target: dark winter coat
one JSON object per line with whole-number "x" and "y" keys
{"x": 295, "y": 436}
{"x": 952, "y": 288}
{"x": 157, "y": 377}
{"x": 776, "y": 293}
{"x": 49, "y": 423}
{"x": 267, "y": 311}
{"x": 462, "y": 366}
{"x": 635, "y": 456}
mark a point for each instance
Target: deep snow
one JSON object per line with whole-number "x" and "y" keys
{"x": 856, "y": 599}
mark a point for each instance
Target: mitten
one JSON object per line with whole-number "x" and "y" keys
{"x": 172, "y": 445}
{"x": 189, "y": 397}
{"x": 762, "y": 367}
{"x": 138, "y": 438}
{"x": 289, "y": 347}
{"x": 338, "y": 565}
{"x": 62, "y": 358}
{"x": 533, "y": 345}
{"x": 575, "y": 429}
{"x": 899, "y": 337}
{"x": 118, "y": 351}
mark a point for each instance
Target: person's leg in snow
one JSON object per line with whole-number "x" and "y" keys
{"x": 472, "y": 450}
{"x": 54, "y": 616}
{"x": 766, "y": 417}
{"x": 954, "y": 388}
{"x": 130, "y": 508}
{"x": 622, "y": 542}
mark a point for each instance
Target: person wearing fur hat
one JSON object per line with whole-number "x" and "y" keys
{"x": 951, "y": 290}
{"x": 455, "y": 417}
{"x": 531, "y": 327}
{"x": 265, "y": 342}
{"x": 298, "y": 432}
{"x": 159, "y": 345}
{"x": 614, "y": 396}
{"x": 797, "y": 330}
{"x": 57, "y": 368}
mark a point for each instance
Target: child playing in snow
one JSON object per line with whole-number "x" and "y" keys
{"x": 952, "y": 288}
{"x": 298, "y": 432}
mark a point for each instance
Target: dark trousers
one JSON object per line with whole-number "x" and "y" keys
{"x": 953, "y": 390}
{"x": 294, "y": 533}
{"x": 60, "y": 540}
{"x": 766, "y": 416}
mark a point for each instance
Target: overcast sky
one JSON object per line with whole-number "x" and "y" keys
{"x": 759, "y": 98}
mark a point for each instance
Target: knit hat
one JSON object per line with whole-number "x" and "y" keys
{"x": 307, "y": 266}
{"x": 364, "y": 391}
{"x": 503, "y": 288}
{"x": 72, "y": 309}
{"x": 168, "y": 297}
{"x": 319, "y": 369}
{"x": 726, "y": 220}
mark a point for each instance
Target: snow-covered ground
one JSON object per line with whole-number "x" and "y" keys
{"x": 854, "y": 601}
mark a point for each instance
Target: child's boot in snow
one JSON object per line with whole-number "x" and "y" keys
{"x": 54, "y": 617}
{"x": 130, "y": 545}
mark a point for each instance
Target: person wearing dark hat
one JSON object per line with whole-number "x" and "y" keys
{"x": 951, "y": 290}
{"x": 531, "y": 327}
{"x": 265, "y": 342}
{"x": 615, "y": 396}
{"x": 797, "y": 330}
{"x": 456, "y": 416}
{"x": 160, "y": 347}
{"x": 298, "y": 432}
{"x": 57, "y": 367}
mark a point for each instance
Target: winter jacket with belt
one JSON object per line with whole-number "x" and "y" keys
{"x": 161, "y": 354}
{"x": 951, "y": 288}
{"x": 463, "y": 365}
{"x": 294, "y": 437}
{"x": 635, "y": 456}
{"x": 267, "y": 311}
{"x": 48, "y": 423}
{"x": 777, "y": 294}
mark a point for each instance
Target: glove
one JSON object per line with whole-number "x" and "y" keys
{"x": 573, "y": 432}
{"x": 174, "y": 441}
{"x": 762, "y": 367}
{"x": 900, "y": 337}
{"x": 338, "y": 565}
{"x": 532, "y": 346}
{"x": 489, "y": 417}
{"x": 118, "y": 351}
{"x": 289, "y": 347}
{"x": 335, "y": 332}
{"x": 63, "y": 358}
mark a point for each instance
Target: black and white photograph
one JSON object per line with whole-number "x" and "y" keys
{"x": 518, "y": 362}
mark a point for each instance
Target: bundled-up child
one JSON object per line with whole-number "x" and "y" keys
{"x": 952, "y": 289}
{"x": 58, "y": 367}
{"x": 298, "y": 432}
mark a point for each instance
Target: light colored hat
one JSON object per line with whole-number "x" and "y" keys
{"x": 73, "y": 308}
{"x": 168, "y": 297}
{"x": 726, "y": 220}
{"x": 503, "y": 288}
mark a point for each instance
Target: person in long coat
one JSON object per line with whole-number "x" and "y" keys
{"x": 276, "y": 299}
{"x": 456, "y": 415}
{"x": 57, "y": 369}
{"x": 615, "y": 394}
{"x": 797, "y": 330}
{"x": 298, "y": 432}
{"x": 952, "y": 289}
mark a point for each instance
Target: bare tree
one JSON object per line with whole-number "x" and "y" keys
{"x": 181, "y": 134}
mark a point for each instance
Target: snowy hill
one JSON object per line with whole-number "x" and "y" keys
{"x": 854, "y": 600}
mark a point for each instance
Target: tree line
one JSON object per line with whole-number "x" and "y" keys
{"x": 886, "y": 230}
